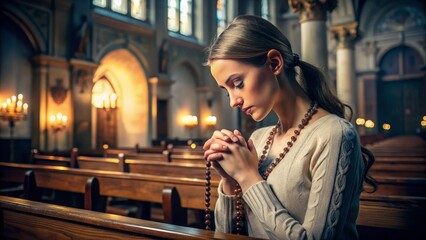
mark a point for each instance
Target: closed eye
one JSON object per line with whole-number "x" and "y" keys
{"x": 238, "y": 83}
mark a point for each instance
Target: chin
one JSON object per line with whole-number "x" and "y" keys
{"x": 257, "y": 117}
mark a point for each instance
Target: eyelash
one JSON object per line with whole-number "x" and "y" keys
{"x": 240, "y": 84}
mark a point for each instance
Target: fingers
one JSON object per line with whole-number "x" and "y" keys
{"x": 240, "y": 137}
{"x": 230, "y": 135}
{"x": 212, "y": 156}
{"x": 207, "y": 144}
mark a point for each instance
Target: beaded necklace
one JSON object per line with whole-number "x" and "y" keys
{"x": 238, "y": 192}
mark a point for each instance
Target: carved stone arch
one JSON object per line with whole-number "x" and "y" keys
{"x": 373, "y": 11}
{"x": 123, "y": 44}
{"x": 28, "y": 28}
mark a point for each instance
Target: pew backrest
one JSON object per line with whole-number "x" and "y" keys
{"x": 24, "y": 219}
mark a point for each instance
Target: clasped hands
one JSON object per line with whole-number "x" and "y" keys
{"x": 234, "y": 158}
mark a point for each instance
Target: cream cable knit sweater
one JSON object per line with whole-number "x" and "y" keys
{"x": 314, "y": 191}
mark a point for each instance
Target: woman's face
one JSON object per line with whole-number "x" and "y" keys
{"x": 252, "y": 88}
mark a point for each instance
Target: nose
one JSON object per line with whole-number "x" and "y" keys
{"x": 235, "y": 101}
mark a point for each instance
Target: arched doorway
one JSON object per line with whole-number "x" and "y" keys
{"x": 127, "y": 77}
{"x": 401, "y": 91}
{"x": 104, "y": 99}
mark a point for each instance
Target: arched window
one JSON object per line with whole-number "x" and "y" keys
{"x": 401, "y": 19}
{"x": 138, "y": 9}
{"x": 180, "y": 16}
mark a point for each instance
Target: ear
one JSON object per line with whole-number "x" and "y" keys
{"x": 276, "y": 61}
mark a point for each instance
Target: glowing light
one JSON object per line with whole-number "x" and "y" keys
{"x": 360, "y": 121}
{"x": 369, "y": 124}
{"x": 386, "y": 126}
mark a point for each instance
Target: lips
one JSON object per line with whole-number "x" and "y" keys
{"x": 248, "y": 110}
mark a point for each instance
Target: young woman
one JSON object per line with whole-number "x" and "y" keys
{"x": 299, "y": 179}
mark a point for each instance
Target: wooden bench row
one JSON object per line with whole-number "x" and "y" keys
{"x": 172, "y": 192}
{"x": 24, "y": 219}
{"x": 189, "y": 168}
{"x": 148, "y": 188}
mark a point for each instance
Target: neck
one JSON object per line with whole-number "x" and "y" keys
{"x": 290, "y": 112}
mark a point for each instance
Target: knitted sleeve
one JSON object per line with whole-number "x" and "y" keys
{"x": 335, "y": 168}
{"x": 225, "y": 212}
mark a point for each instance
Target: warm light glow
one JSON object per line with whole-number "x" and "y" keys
{"x": 193, "y": 145}
{"x": 58, "y": 122}
{"x": 103, "y": 95}
{"x": 386, "y": 126}
{"x": 211, "y": 121}
{"x": 105, "y": 146}
{"x": 423, "y": 123}
{"x": 190, "y": 121}
{"x": 369, "y": 124}
{"x": 360, "y": 121}
{"x": 13, "y": 109}
{"x": 424, "y": 118}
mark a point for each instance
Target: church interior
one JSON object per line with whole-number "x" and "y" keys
{"x": 90, "y": 87}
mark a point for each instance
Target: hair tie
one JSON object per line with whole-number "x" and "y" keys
{"x": 295, "y": 60}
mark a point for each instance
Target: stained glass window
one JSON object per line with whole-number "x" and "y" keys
{"x": 265, "y": 9}
{"x": 401, "y": 19}
{"x": 221, "y": 18}
{"x": 137, "y": 9}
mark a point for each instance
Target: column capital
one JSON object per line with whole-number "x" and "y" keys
{"x": 345, "y": 34}
{"x": 312, "y": 10}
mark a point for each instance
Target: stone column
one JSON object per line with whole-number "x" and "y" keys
{"x": 49, "y": 74}
{"x": 345, "y": 64}
{"x": 159, "y": 89}
{"x": 313, "y": 16}
{"x": 81, "y": 84}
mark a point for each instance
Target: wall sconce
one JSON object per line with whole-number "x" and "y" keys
{"x": 13, "y": 110}
{"x": 190, "y": 121}
{"x": 211, "y": 121}
{"x": 58, "y": 123}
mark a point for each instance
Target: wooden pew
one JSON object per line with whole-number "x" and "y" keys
{"x": 391, "y": 217}
{"x": 24, "y": 219}
{"x": 34, "y": 181}
{"x": 139, "y": 187}
{"x": 400, "y": 186}
{"x": 37, "y": 158}
{"x": 164, "y": 156}
{"x": 102, "y": 163}
{"x": 174, "y": 169}
{"x": 399, "y": 167}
